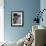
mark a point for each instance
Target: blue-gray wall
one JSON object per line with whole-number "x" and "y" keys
{"x": 43, "y": 6}
{"x": 30, "y": 7}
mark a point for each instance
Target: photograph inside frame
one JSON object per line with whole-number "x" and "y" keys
{"x": 17, "y": 18}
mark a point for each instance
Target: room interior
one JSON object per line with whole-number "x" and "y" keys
{"x": 14, "y": 36}
{"x": 38, "y": 38}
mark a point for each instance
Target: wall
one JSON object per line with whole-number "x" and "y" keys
{"x": 30, "y": 7}
{"x": 42, "y": 6}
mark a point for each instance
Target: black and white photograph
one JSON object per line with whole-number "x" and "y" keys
{"x": 17, "y": 18}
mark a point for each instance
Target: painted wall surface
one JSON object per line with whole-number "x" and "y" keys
{"x": 43, "y": 6}
{"x": 30, "y": 7}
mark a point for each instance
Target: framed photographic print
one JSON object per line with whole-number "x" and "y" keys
{"x": 17, "y": 18}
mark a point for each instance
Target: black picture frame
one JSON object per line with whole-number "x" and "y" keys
{"x": 17, "y": 18}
